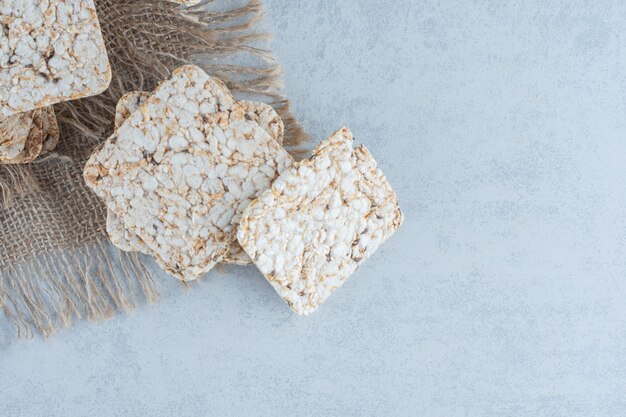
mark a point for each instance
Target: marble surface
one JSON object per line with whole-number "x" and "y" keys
{"x": 502, "y": 128}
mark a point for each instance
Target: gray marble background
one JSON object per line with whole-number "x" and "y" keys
{"x": 503, "y": 129}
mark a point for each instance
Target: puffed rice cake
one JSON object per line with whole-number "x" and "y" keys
{"x": 320, "y": 220}
{"x": 182, "y": 169}
{"x": 26, "y": 136}
{"x": 128, "y": 241}
{"x": 50, "y": 51}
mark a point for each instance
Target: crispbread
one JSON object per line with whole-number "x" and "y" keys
{"x": 121, "y": 237}
{"x": 14, "y": 132}
{"x": 26, "y": 136}
{"x": 320, "y": 220}
{"x": 182, "y": 168}
{"x": 50, "y": 127}
{"x": 50, "y": 51}
{"x": 127, "y": 104}
{"x": 128, "y": 241}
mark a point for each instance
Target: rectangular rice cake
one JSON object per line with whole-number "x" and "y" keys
{"x": 320, "y": 220}
{"x": 50, "y": 51}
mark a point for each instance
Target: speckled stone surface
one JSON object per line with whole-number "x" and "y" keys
{"x": 502, "y": 130}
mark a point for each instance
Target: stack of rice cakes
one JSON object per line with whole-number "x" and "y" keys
{"x": 181, "y": 169}
{"x": 193, "y": 177}
{"x": 128, "y": 241}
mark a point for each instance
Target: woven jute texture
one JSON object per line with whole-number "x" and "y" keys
{"x": 55, "y": 261}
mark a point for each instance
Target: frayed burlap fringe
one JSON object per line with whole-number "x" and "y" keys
{"x": 55, "y": 260}
{"x": 54, "y": 289}
{"x": 15, "y": 181}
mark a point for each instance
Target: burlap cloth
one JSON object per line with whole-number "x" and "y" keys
{"x": 55, "y": 260}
